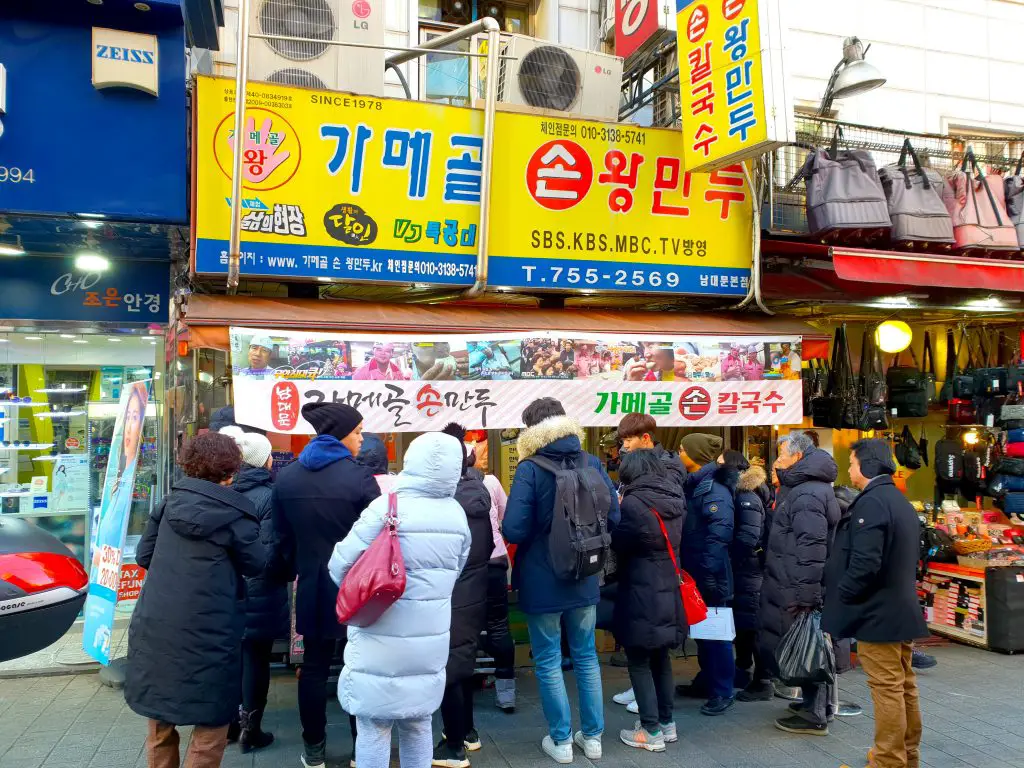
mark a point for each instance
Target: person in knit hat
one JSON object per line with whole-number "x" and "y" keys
{"x": 707, "y": 539}
{"x": 317, "y": 499}
{"x": 871, "y": 596}
{"x": 266, "y": 607}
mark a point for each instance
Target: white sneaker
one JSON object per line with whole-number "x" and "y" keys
{"x": 669, "y": 731}
{"x": 591, "y": 746}
{"x": 624, "y": 698}
{"x": 633, "y": 708}
{"x": 560, "y": 753}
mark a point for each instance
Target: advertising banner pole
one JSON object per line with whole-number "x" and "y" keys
{"x": 241, "y": 83}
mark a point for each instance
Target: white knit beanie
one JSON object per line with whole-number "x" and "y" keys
{"x": 255, "y": 448}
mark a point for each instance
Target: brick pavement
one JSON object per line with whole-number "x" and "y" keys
{"x": 973, "y": 705}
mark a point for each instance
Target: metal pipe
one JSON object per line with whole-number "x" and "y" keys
{"x": 241, "y": 84}
{"x": 425, "y": 48}
{"x": 456, "y": 35}
{"x": 754, "y": 291}
{"x": 401, "y": 79}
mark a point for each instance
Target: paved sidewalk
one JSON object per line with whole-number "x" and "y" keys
{"x": 973, "y": 705}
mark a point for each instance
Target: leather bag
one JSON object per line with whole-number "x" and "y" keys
{"x": 978, "y": 209}
{"x": 962, "y": 411}
{"x": 376, "y": 580}
{"x": 914, "y": 197}
{"x": 928, "y": 368}
{"x": 908, "y": 452}
{"x": 1013, "y": 191}
{"x": 694, "y": 607}
{"x": 848, "y": 404}
{"x": 873, "y": 413}
{"x": 908, "y": 388}
{"x": 843, "y": 190}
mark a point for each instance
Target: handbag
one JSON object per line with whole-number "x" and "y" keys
{"x": 951, "y": 368}
{"x": 949, "y": 465}
{"x": 914, "y": 198}
{"x": 963, "y": 382}
{"x": 694, "y": 607}
{"x": 908, "y": 389}
{"x": 873, "y": 414}
{"x": 849, "y": 406}
{"x": 843, "y": 190}
{"x": 962, "y": 411}
{"x": 928, "y": 368}
{"x": 1013, "y": 191}
{"x": 1010, "y": 466}
{"x": 822, "y": 406}
{"x": 993, "y": 379}
{"x": 1014, "y": 450}
{"x": 922, "y": 444}
{"x": 376, "y": 580}
{"x": 978, "y": 209}
{"x": 907, "y": 451}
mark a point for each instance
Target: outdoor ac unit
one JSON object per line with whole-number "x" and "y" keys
{"x": 540, "y": 74}
{"x": 313, "y": 61}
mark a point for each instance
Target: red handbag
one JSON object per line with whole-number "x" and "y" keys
{"x": 962, "y": 411}
{"x": 693, "y": 604}
{"x": 376, "y": 580}
{"x": 1015, "y": 450}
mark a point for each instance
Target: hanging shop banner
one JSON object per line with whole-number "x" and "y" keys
{"x": 419, "y": 383}
{"x": 341, "y": 187}
{"x": 112, "y": 524}
{"x": 731, "y": 80}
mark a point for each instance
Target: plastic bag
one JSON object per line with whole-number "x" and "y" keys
{"x": 805, "y": 654}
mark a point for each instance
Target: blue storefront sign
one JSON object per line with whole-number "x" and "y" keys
{"x": 77, "y": 136}
{"x": 34, "y": 288}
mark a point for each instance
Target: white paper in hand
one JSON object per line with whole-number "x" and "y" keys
{"x": 719, "y": 625}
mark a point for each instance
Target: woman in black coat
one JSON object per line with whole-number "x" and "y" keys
{"x": 469, "y": 616}
{"x": 266, "y": 605}
{"x": 185, "y": 637}
{"x": 649, "y": 618}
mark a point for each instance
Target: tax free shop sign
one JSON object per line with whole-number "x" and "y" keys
{"x": 360, "y": 188}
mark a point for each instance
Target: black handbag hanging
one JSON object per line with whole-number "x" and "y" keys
{"x": 990, "y": 380}
{"x": 951, "y": 367}
{"x": 821, "y": 403}
{"x": 872, "y": 390}
{"x": 963, "y": 382}
{"x": 847, "y": 403}
{"x": 928, "y": 368}
{"x": 908, "y": 452}
{"x": 908, "y": 389}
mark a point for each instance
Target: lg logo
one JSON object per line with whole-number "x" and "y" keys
{"x": 632, "y": 14}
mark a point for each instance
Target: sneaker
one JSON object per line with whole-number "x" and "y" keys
{"x": 789, "y": 693}
{"x": 633, "y": 708}
{"x": 799, "y": 725}
{"x": 352, "y": 760}
{"x": 505, "y": 695}
{"x": 717, "y": 705}
{"x": 921, "y": 660}
{"x": 741, "y": 678}
{"x": 756, "y": 691}
{"x": 796, "y": 707}
{"x": 640, "y": 738}
{"x": 624, "y": 698}
{"x": 314, "y": 755}
{"x": 591, "y": 745}
{"x": 472, "y": 742}
{"x": 668, "y": 730}
{"x": 446, "y": 757}
{"x": 691, "y": 691}
{"x": 560, "y": 753}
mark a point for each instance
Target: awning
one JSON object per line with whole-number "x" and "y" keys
{"x": 897, "y": 268}
{"x": 208, "y": 319}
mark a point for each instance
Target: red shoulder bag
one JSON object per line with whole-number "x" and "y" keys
{"x": 377, "y": 579}
{"x": 693, "y": 604}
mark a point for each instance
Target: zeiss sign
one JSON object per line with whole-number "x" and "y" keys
{"x": 125, "y": 60}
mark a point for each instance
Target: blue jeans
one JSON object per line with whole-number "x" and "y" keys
{"x": 717, "y": 667}
{"x": 546, "y": 640}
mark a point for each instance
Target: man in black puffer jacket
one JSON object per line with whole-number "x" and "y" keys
{"x": 804, "y": 524}
{"x": 469, "y": 617}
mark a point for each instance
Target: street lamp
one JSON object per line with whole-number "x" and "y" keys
{"x": 851, "y": 76}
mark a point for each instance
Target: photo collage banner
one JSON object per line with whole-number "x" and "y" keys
{"x": 415, "y": 383}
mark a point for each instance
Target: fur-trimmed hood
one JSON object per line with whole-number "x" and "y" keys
{"x": 751, "y": 478}
{"x": 532, "y": 439}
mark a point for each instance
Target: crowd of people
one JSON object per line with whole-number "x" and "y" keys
{"x": 767, "y": 544}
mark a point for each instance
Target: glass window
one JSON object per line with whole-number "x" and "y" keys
{"x": 445, "y": 78}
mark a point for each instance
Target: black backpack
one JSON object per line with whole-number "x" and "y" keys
{"x": 949, "y": 465}
{"x": 579, "y": 540}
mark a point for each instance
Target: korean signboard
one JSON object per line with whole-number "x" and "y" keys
{"x": 733, "y": 91}
{"x": 637, "y": 22}
{"x": 40, "y": 288}
{"x": 403, "y": 383}
{"x": 359, "y": 188}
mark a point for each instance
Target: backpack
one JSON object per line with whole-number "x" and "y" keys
{"x": 949, "y": 465}
{"x": 579, "y": 540}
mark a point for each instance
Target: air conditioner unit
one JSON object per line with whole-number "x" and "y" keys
{"x": 536, "y": 73}
{"x": 313, "y": 61}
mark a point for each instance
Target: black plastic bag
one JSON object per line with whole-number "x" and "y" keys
{"x": 805, "y": 655}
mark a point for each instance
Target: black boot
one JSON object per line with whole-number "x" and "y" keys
{"x": 234, "y": 729}
{"x": 252, "y": 736}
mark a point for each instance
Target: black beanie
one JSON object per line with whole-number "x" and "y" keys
{"x": 334, "y": 419}
{"x": 875, "y": 457}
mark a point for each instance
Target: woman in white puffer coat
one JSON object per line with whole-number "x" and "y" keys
{"x": 394, "y": 673}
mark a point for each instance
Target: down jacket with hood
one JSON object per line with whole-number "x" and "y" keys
{"x": 185, "y": 637}
{"x": 395, "y": 668}
{"x": 528, "y": 517}
{"x": 469, "y": 600}
{"x": 708, "y": 532}
{"x": 751, "y": 501}
{"x": 648, "y": 608}
{"x": 317, "y": 499}
{"x": 266, "y": 603}
{"x": 674, "y": 466}
{"x": 804, "y": 524}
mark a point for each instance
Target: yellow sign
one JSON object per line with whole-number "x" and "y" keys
{"x": 349, "y": 188}
{"x": 732, "y": 87}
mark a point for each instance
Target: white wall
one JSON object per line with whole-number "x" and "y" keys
{"x": 948, "y": 62}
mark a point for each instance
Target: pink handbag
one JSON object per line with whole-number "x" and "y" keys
{"x": 376, "y": 580}
{"x": 978, "y": 209}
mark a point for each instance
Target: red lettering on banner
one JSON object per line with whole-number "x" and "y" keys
{"x": 559, "y": 174}
{"x": 132, "y": 577}
{"x": 284, "y": 406}
{"x": 694, "y": 404}
{"x": 428, "y": 400}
